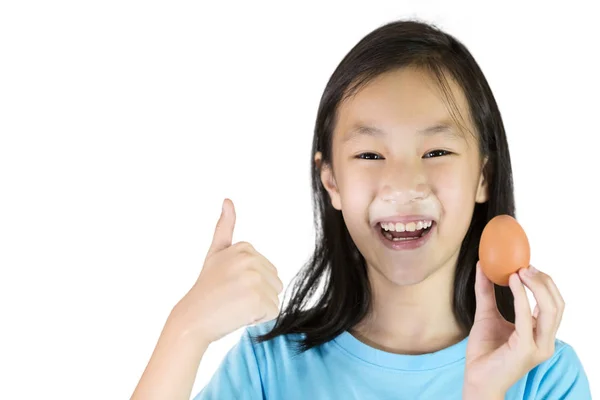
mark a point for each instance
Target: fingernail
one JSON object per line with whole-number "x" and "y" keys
{"x": 531, "y": 271}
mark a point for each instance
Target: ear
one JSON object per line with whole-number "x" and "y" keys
{"x": 328, "y": 181}
{"x": 482, "y": 187}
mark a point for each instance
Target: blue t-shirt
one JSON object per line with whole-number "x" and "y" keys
{"x": 346, "y": 368}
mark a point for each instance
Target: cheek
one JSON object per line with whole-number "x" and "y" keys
{"x": 455, "y": 188}
{"x": 356, "y": 192}
{"x": 356, "y": 188}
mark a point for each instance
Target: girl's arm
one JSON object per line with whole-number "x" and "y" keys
{"x": 172, "y": 369}
{"x": 237, "y": 286}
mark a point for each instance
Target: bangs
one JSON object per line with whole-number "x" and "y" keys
{"x": 443, "y": 81}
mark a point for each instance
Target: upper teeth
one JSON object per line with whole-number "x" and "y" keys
{"x": 410, "y": 226}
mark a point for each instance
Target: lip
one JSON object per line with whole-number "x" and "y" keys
{"x": 405, "y": 244}
{"x": 404, "y": 219}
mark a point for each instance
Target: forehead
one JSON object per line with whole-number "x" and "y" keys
{"x": 406, "y": 100}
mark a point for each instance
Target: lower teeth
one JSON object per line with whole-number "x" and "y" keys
{"x": 400, "y": 239}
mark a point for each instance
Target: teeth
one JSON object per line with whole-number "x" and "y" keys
{"x": 410, "y": 226}
{"x": 400, "y": 239}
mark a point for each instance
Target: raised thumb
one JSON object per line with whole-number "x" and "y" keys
{"x": 224, "y": 229}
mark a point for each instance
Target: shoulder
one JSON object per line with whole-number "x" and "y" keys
{"x": 564, "y": 361}
{"x": 561, "y": 376}
{"x": 242, "y": 372}
{"x": 281, "y": 346}
{"x": 248, "y": 351}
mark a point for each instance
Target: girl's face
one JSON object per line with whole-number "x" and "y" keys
{"x": 399, "y": 168}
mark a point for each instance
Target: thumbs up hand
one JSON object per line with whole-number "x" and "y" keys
{"x": 237, "y": 287}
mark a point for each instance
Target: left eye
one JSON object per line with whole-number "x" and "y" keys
{"x": 368, "y": 156}
{"x": 437, "y": 153}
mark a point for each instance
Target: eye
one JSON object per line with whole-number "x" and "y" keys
{"x": 369, "y": 156}
{"x": 437, "y": 153}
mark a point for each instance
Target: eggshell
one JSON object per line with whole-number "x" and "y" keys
{"x": 503, "y": 249}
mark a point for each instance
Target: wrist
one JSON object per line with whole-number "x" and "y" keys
{"x": 180, "y": 330}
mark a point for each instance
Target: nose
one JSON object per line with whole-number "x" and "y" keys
{"x": 404, "y": 183}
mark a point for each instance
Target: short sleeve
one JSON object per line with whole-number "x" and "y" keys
{"x": 563, "y": 377}
{"x": 238, "y": 376}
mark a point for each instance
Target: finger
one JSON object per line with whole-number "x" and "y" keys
{"x": 271, "y": 309}
{"x": 536, "y": 312}
{"x": 557, "y": 297}
{"x": 249, "y": 258}
{"x": 270, "y": 273}
{"x": 224, "y": 229}
{"x": 523, "y": 317}
{"x": 485, "y": 297}
{"x": 272, "y": 281}
{"x": 548, "y": 319}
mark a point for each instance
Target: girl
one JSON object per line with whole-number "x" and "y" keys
{"x": 410, "y": 161}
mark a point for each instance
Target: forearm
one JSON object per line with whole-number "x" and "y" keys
{"x": 172, "y": 369}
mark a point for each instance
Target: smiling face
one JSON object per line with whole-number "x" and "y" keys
{"x": 398, "y": 157}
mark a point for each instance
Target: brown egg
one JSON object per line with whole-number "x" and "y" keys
{"x": 503, "y": 249}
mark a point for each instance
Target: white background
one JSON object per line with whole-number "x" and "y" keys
{"x": 124, "y": 125}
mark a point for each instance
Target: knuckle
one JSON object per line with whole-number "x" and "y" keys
{"x": 244, "y": 259}
{"x": 247, "y": 258}
{"x": 244, "y": 247}
{"x": 546, "y": 279}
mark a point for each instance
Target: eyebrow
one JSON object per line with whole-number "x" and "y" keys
{"x": 439, "y": 128}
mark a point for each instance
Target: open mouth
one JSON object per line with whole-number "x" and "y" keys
{"x": 408, "y": 232}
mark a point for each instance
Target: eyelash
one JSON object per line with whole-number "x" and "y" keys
{"x": 444, "y": 153}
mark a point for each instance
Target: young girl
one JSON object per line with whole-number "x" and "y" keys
{"x": 410, "y": 161}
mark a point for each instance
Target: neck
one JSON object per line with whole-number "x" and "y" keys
{"x": 415, "y": 319}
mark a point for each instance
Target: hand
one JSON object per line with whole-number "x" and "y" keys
{"x": 500, "y": 353}
{"x": 237, "y": 287}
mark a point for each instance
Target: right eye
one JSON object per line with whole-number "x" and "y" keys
{"x": 369, "y": 156}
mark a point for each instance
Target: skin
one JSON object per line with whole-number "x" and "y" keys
{"x": 393, "y": 173}
{"x": 412, "y": 289}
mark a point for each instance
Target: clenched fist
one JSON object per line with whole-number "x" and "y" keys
{"x": 237, "y": 287}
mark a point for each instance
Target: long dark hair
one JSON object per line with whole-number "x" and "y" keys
{"x": 337, "y": 270}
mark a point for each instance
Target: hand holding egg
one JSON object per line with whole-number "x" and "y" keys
{"x": 500, "y": 352}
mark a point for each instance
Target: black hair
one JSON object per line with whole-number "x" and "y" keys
{"x": 336, "y": 269}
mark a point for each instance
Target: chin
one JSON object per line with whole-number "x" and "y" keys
{"x": 407, "y": 276}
